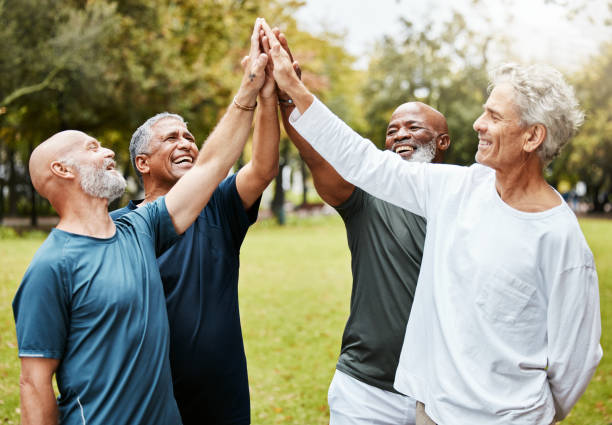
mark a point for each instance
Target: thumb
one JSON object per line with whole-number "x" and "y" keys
{"x": 261, "y": 61}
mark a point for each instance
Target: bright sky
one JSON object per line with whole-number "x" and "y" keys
{"x": 540, "y": 32}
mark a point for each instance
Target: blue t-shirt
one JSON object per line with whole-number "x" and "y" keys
{"x": 200, "y": 276}
{"x": 98, "y": 306}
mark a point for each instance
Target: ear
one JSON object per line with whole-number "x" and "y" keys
{"x": 443, "y": 142}
{"x": 62, "y": 171}
{"x": 534, "y": 137}
{"x": 142, "y": 164}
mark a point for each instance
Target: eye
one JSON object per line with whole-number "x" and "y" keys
{"x": 391, "y": 132}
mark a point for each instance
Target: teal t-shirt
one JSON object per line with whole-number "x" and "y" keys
{"x": 386, "y": 244}
{"x": 98, "y": 305}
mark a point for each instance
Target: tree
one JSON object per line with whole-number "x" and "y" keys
{"x": 590, "y": 157}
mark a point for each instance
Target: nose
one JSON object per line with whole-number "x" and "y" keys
{"x": 402, "y": 133}
{"x": 184, "y": 143}
{"x": 109, "y": 153}
{"x": 479, "y": 125}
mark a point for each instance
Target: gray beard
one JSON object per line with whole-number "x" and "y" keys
{"x": 424, "y": 153}
{"x": 101, "y": 183}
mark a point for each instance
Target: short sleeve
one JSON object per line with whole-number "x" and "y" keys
{"x": 354, "y": 203}
{"x": 226, "y": 200}
{"x": 154, "y": 219}
{"x": 41, "y": 309}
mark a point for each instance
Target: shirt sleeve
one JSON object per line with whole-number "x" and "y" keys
{"x": 41, "y": 309}
{"x": 227, "y": 201}
{"x": 383, "y": 174}
{"x": 353, "y": 205}
{"x": 574, "y": 331}
{"x": 154, "y": 220}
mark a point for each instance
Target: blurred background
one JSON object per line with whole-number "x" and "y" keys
{"x": 104, "y": 67}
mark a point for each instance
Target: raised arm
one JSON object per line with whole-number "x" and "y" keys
{"x": 38, "y": 405}
{"x": 222, "y": 148}
{"x": 382, "y": 174}
{"x": 255, "y": 176}
{"x": 332, "y": 188}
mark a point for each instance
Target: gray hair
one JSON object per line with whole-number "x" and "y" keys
{"x": 543, "y": 97}
{"x": 142, "y": 137}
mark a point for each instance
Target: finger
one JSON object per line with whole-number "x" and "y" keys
{"x": 258, "y": 65}
{"x": 244, "y": 62}
{"x": 283, "y": 41}
{"x": 272, "y": 40}
{"x": 265, "y": 42}
{"x": 255, "y": 39}
{"x": 297, "y": 69}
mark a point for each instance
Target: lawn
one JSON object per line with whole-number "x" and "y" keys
{"x": 294, "y": 296}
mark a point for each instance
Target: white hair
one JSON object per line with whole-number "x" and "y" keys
{"x": 543, "y": 97}
{"x": 142, "y": 136}
{"x": 98, "y": 181}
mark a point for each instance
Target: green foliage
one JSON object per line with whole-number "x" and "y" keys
{"x": 443, "y": 64}
{"x": 294, "y": 299}
{"x": 590, "y": 156}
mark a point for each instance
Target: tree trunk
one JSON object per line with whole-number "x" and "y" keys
{"x": 278, "y": 201}
{"x": 12, "y": 182}
{"x": 598, "y": 205}
{"x": 304, "y": 170}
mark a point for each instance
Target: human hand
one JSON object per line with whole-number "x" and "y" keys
{"x": 282, "y": 95}
{"x": 254, "y": 69}
{"x": 286, "y": 71}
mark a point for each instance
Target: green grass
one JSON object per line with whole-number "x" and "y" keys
{"x": 294, "y": 298}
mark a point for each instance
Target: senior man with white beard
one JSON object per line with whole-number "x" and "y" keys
{"x": 505, "y": 326}
{"x": 386, "y": 244}
{"x": 91, "y": 306}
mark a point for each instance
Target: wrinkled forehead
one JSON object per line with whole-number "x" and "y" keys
{"x": 168, "y": 125}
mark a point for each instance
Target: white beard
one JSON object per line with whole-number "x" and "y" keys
{"x": 424, "y": 153}
{"x": 100, "y": 182}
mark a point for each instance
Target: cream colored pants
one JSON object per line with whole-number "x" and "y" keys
{"x": 421, "y": 416}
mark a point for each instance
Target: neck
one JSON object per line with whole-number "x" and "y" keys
{"x": 524, "y": 187}
{"x": 87, "y": 216}
{"x": 153, "y": 191}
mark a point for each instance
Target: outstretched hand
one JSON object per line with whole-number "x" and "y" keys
{"x": 254, "y": 68}
{"x": 282, "y": 61}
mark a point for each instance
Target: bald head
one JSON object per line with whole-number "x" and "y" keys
{"x": 426, "y": 114}
{"x": 57, "y": 147}
{"x": 417, "y": 132}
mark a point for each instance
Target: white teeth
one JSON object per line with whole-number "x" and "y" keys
{"x": 401, "y": 149}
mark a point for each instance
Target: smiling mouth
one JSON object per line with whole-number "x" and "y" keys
{"x": 183, "y": 161}
{"x": 483, "y": 143}
{"x": 403, "y": 149}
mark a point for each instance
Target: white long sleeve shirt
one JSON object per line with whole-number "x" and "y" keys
{"x": 505, "y": 326}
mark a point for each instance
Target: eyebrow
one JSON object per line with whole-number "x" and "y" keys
{"x": 398, "y": 122}
{"x": 492, "y": 111}
{"x": 186, "y": 133}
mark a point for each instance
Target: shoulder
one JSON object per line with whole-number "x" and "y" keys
{"x": 566, "y": 238}
{"x": 131, "y": 206}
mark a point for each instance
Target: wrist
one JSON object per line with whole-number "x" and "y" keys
{"x": 245, "y": 98}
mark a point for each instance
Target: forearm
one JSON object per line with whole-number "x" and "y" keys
{"x": 381, "y": 173}
{"x": 574, "y": 332}
{"x": 266, "y": 138}
{"x": 38, "y": 404}
{"x": 332, "y": 188}
{"x": 220, "y": 151}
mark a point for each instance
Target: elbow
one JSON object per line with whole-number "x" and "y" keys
{"x": 267, "y": 174}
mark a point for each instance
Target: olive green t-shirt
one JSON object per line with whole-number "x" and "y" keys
{"x": 386, "y": 244}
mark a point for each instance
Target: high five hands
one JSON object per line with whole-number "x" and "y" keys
{"x": 270, "y": 60}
